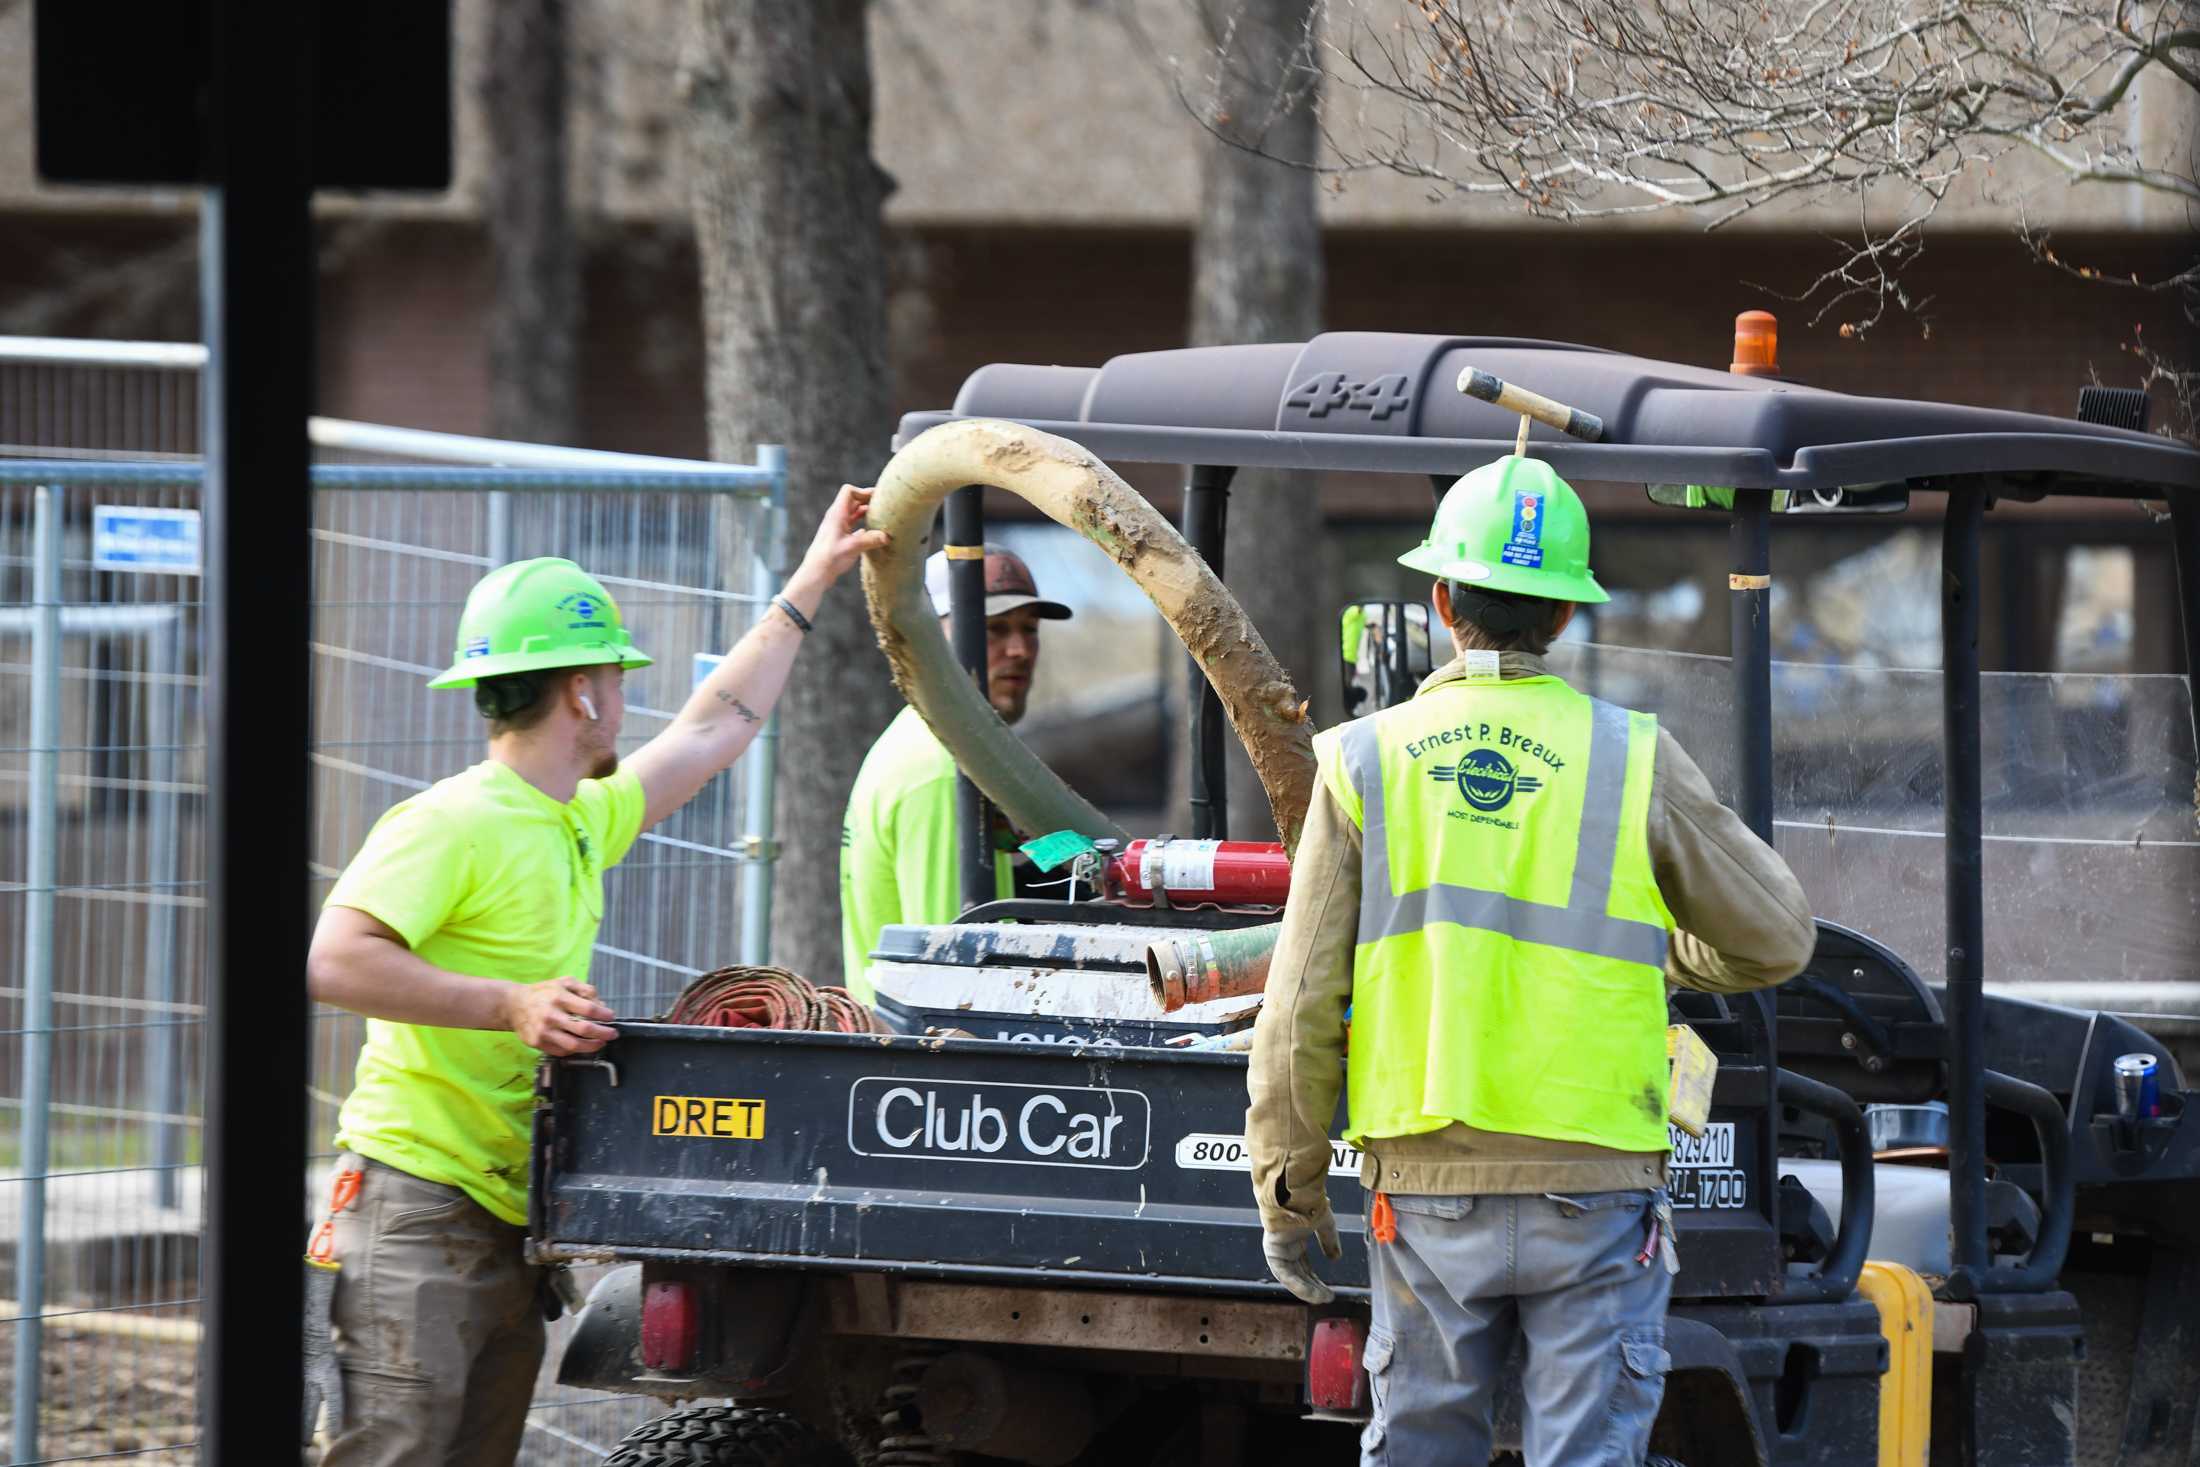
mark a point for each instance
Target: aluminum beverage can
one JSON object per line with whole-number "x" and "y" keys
{"x": 2138, "y": 1086}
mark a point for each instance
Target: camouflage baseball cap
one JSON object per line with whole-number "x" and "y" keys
{"x": 1008, "y": 585}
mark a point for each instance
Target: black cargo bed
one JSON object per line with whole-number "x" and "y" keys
{"x": 942, "y": 1158}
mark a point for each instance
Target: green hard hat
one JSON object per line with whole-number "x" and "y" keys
{"x": 536, "y": 614}
{"x": 1513, "y": 525}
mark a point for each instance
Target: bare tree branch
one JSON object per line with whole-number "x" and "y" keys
{"x": 1582, "y": 110}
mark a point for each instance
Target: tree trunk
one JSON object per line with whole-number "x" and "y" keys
{"x": 535, "y": 302}
{"x": 1257, "y": 276}
{"x": 786, "y": 203}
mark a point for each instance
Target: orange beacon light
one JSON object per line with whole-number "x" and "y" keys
{"x": 1756, "y": 345}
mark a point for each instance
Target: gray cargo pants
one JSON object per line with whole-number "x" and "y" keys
{"x": 1468, "y": 1274}
{"x": 437, "y": 1328}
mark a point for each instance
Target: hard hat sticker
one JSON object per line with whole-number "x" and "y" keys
{"x": 585, "y": 610}
{"x": 476, "y": 647}
{"x": 1525, "y": 547}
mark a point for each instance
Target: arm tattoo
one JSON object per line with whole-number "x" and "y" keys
{"x": 738, "y": 706}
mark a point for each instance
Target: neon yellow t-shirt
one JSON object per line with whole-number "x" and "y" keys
{"x": 898, "y": 853}
{"x": 481, "y": 874}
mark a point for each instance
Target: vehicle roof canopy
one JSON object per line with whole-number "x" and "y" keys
{"x": 1387, "y": 402}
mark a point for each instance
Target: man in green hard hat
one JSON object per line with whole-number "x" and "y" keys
{"x": 1496, "y": 879}
{"x": 462, "y": 930}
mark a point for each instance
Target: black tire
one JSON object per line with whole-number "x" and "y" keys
{"x": 725, "y": 1436}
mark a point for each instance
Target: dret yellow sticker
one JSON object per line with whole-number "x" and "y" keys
{"x": 710, "y": 1117}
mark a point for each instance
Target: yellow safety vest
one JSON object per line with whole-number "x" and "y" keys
{"x": 1509, "y": 971}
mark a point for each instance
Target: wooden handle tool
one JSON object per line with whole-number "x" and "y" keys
{"x": 1588, "y": 427}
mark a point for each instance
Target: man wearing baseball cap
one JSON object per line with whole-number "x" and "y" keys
{"x": 897, "y": 845}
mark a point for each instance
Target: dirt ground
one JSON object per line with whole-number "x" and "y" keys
{"x": 124, "y": 1400}
{"x": 136, "y": 1402}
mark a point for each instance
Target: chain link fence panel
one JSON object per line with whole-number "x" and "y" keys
{"x": 103, "y": 981}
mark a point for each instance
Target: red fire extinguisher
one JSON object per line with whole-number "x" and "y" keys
{"x": 1187, "y": 872}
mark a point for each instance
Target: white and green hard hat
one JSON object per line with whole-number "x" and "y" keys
{"x": 1512, "y": 526}
{"x": 534, "y": 615}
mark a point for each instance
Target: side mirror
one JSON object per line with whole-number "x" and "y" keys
{"x": 1707, "y": 496}
{"x": 1386, "y": 653}
{"x": 1855, "y": 499}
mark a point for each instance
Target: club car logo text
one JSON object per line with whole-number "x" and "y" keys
{"x": 1020, "y": 1125}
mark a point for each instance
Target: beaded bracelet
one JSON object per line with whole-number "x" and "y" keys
{"x": 801, "y": 622}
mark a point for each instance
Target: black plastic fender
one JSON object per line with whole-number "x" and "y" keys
{"x": 750, "y": 1322}
{"x": 1706, "y": 1419}
{"x": 604, "y": 1351}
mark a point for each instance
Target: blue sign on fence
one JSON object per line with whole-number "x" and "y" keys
{"x": 126, "y": 537}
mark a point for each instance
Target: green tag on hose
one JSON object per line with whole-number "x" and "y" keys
{"x": 1058, "y": 849}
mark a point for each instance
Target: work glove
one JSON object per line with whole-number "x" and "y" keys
{"x": 324, "y": 1380}
{"x": 1285, "y": 1245}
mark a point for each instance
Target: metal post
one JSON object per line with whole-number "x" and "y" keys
{"x": 966, "y": 628}
{"x": 759, "y": 778}
{"x": 1749, "y": 638}
{"x": 1959, "y": 609}
{"x": 1206, "y": 517}
{"x": 164, "y": 1073}
{"x": 1749, "y": 609}
{"x": 499, "y": 536}
{"x": 257, "y": 288}
{"x": 38, "y": 956}
{"x": 1398, "y": 645}
{"x": 2184, "y": 537}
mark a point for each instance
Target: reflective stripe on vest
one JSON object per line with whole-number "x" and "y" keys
{"x": 1583, "y": 925}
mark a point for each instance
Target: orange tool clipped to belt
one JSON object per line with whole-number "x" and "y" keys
{"x": 324, "y": 1380}
{"x": 1382, "y": 1220}
{"x": 342, "y": 1193}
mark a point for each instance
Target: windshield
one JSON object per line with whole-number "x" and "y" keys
{"x": 2092, "y": 854}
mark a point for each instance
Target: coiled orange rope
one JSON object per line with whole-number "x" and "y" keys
{"x": 743, "y": 997}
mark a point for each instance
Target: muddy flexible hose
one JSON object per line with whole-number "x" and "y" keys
{"x": 1200, "y": 967}
{"x": 1074, "y": 489}
{"x": 770, "y": 998}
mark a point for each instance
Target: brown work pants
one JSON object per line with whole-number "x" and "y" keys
{"x": 436, "y": 1328}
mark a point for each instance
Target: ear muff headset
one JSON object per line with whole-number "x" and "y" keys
{"x": 1500, "y": 618}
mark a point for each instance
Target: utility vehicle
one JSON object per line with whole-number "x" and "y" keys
{"x": 1035, "y": 1243}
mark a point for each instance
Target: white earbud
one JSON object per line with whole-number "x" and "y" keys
{"x": 588, "y": 706}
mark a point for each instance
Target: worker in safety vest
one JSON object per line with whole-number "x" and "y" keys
{"x": 1495, "y": 882}
{"x": 462, "y": 930}
{"x": 898, "y": 854}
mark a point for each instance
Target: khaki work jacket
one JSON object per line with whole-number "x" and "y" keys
{"x": 1743, "y": 920}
